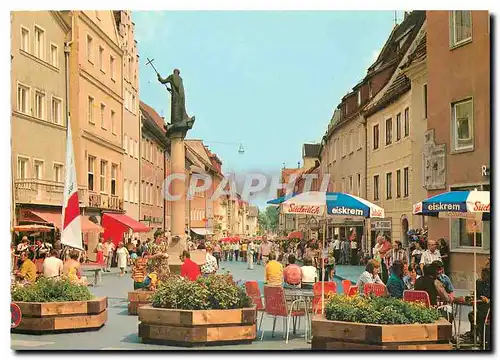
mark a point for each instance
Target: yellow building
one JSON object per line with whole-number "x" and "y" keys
{"x": 395, "y": 141}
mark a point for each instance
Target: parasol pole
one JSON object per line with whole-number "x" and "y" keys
{"x": 323, "y": 264}
{"x": 475, "y": 288}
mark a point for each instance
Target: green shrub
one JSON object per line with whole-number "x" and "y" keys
{"x": 378, "y": 310}
{"x": 51, "y": 290}
{"x": 206, "y": 293}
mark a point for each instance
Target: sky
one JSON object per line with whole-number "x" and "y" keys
{"x": 269, "y": 80}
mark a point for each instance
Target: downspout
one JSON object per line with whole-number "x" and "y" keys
{"x": 140, "y": 162}
{"x": 365, "y": 123}
{"x": 164, "y": 198}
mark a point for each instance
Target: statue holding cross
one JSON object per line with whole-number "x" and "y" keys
{"x": 178, "y": 115}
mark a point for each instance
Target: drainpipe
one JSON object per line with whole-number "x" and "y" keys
{"x": 367, "y": 232}
{"x": 164, "y": 198}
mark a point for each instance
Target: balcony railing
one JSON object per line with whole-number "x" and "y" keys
{"x": 37, "y": 191}
{"x": 101, "y": 201}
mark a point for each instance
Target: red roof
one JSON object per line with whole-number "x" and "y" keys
{"x": 152, "y": 114}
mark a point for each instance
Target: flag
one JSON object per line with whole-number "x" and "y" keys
{"x": 71, "y": 234}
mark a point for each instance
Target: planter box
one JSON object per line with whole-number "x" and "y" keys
{"x": 136, "y": 299}
{"x": 49, "y": 317}
{"x": 196, "y": 327}
{"x": 340, "y": 335}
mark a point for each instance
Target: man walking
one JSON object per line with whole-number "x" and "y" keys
{"x": 109, "y": 249}
{"x": 265, "y": 249}
{"x": 336, "y": 249}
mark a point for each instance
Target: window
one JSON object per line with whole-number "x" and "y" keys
{"x": 359, "y": 185}
{"x": 103, "y": 121}
{"x": 22, "y": 99}
{"x": 56, "y": 110}
{"x": 58, "y": 173}
{"x": 54, "y": 55}
{"x": 462, "y": 125}
{"x": 103, "y": 173}
{"x": 25, "y": 39}
{"x": 407, "y": 122}
{"x": 344, "y": 145}
{"x": 388, "y": 131}
{"x": 375, "y": 137}
{"x": 90, "y": 110}
{"x": 112, "y": 66}
{"x": 130, "y": 68}
{"x": 406, "y": 182}
{"x": 343, "y": 185}
{"x": 125, "y": 143}
{"x": 125, "y": 190}
{"x": 398, "y": 183}
{"x": 461, "y": 27}
{"x": 39, "y": 43}
{"x": 143, "y": 192}
{"x": 462, "y": 230}
{"x": 359, "y": 97}
{"x": 22, "y": 168}
{"x": 133, "y": 104}
{"x": 370, "y": 91}
{"x": 100, "y": 59}
{"x": 375, "y": 188}
{"x": 38, "y": 169}
{"x": 90, "y": 176}
{"x": 350, "y": 184}
{"x": 398, "y": 127}
{"x": 114, "y": 170}
{"x": 425, "y": 101}
{"x": 90, "y": 49}
{"x": 39, "y": 105}
{"x": 388, "y": 184}
{"x": 136, "y": 193}
{"x": 136, "y": 149}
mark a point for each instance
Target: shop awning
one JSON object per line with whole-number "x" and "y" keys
{"x": 55, "y": 218}
{"x": 295, "y": 235}
{"x": 33, "y": 228}
{"x": 202, "y": 231}
{"x": 125, "y": 220}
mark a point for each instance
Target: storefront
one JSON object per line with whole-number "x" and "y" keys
{"x": 379, "y": 227}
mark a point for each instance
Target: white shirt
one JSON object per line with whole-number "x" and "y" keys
{"x": 428, "y": 257}
{"x": 336, "y": 244}
{"x": 354, "y": 245}
{"x": 309, "y": 274}
{"x": 52, "y": 267}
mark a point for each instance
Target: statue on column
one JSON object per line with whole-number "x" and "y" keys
{"x": 178, "y": 115}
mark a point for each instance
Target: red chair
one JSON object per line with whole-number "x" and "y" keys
{"x": 330, "y": 287}
{"x": 346, "y": 284}
{"x": 417, "y": 296}
{"x": 253, "y": 291}
{"x": 274, "y": 297}
{"x": 353, "y": 290}
{"x": 377, "y": 289}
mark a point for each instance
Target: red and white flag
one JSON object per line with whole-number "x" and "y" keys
{"x": 71, "y": 234}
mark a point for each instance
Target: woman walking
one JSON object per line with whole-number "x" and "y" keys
{"x": 122, "y": 258}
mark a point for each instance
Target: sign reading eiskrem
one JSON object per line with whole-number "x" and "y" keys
{"x": 343, "y": 210}
{"x": 437, "y": 207}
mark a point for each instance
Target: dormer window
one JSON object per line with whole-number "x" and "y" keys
{"x": 359, "y": 97}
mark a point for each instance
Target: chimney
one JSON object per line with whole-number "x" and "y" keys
{"x": 298, "y": 164}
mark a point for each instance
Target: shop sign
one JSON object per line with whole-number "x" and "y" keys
{"x": 383, "y": 224}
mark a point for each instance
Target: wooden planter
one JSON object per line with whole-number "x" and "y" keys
{"x": 137, "y": 299}
{"x": 49, "y": 317}
{"x": 340, "y": 335}
{"x": 196, "y": 327}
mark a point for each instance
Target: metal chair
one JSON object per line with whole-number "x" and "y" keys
{"x": 253, "y": 291}
{"x": 274, "y": 297}
{"x": 417, "y": 296}
{"x": 330, "y": 287}
{"x": 377, "y": 289}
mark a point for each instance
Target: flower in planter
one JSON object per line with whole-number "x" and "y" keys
{"x": 51, "y": 290}
{"x": 378, "y": 310}
{"x": 212, "y": 292}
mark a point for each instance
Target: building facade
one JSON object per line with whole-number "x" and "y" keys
{"x": 153, "y": 161}
{"x": 458, "y": 60}
{"x": 38, "y": 103}
{"x": 394, "y": 137}
{"x": 131, "y": 115}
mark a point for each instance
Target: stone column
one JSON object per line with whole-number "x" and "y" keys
{"x": 177, "y": 189}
